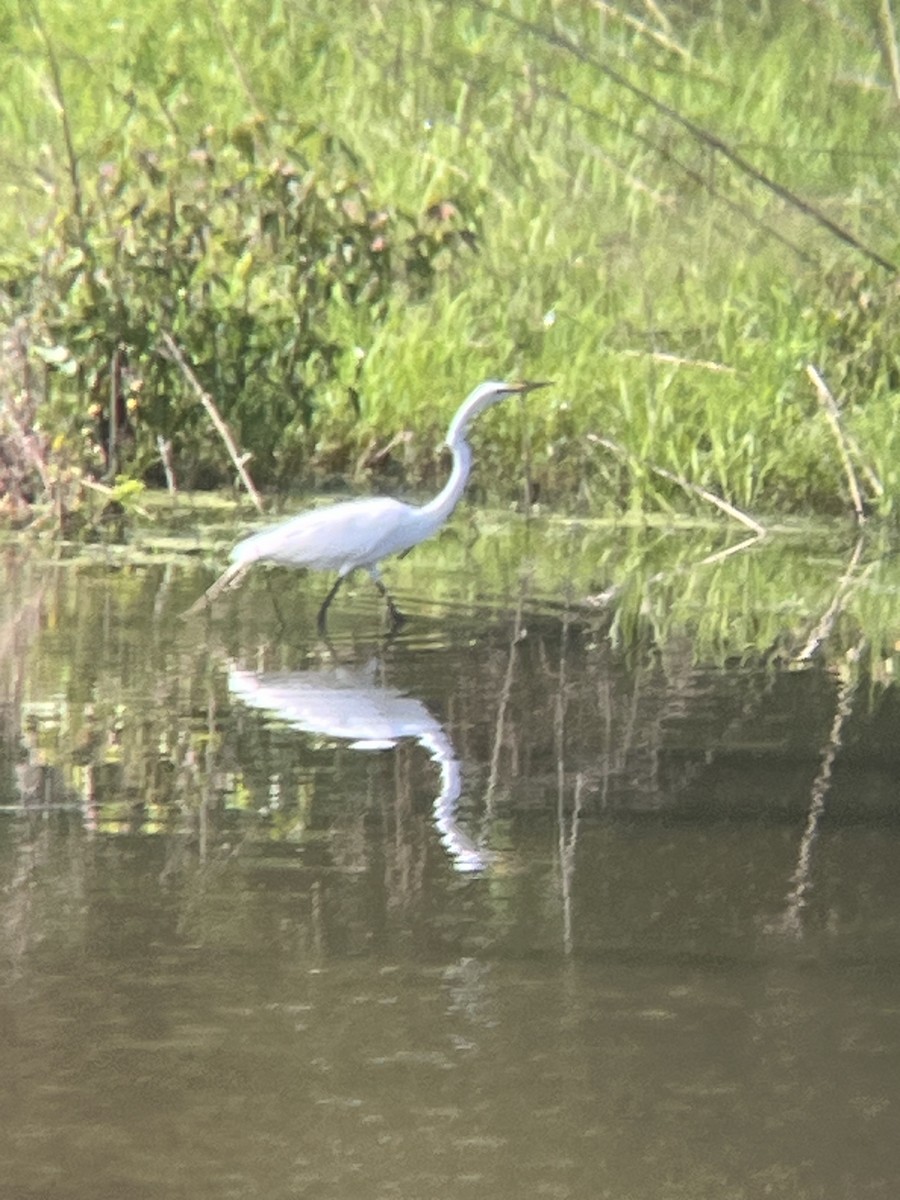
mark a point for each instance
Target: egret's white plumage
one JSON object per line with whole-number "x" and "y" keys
{"x": 360, "y": 533}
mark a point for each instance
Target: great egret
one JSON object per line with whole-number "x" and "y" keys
{"x": 360, "y": 533}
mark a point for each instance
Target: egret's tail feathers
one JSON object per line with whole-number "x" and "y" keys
{"x": 228, "y": 579}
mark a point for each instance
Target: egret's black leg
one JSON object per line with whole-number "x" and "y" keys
{"x": 322, "y": 619}
{"x": 397, "y": 617}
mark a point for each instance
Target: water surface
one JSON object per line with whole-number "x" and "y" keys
{"x": 530, "y": 900}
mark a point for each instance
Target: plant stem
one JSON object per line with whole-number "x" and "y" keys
{"x": 217, "y": 419}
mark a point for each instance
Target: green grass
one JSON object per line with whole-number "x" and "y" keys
{"x": 617, "y": 251}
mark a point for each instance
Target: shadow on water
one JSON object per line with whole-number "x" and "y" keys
{"x": 537, "y": 897}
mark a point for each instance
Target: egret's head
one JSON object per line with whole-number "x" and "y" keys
{"x": 483, "y": 397}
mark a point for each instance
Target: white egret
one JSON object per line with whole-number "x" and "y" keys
{"x": 360, "y": 533}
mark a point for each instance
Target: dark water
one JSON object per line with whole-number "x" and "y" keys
{"x": 504, "y": 907}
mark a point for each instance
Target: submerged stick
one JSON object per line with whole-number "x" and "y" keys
{"x": 694, "y": 488}
{"x": 229, "y": 578}
{"x": 847, "y": 582}
{"x": 164, "y": 446}
{"x": 567, "y": 830}
{"x": 801, "y": 880}
{"x": 738, "y": 548}
{"x": 217, "y": 419}
{"x": 518, "y": 634}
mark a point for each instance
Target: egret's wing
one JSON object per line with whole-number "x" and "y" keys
{"x": 337, "y": 537}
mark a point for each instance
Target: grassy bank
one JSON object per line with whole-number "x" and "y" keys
{"x": 346, "y": 219}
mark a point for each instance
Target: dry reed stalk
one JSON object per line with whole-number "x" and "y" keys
{"x": 217, "y": 419}
{"x": 694, "y": 489}
{"x": 848, "y": 449}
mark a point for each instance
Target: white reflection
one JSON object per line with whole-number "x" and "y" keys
{"x": 345, "y": 703}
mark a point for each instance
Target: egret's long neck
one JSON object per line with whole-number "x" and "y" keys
{"x": 440, "y": 508}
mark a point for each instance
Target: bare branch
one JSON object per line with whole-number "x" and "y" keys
{"x": 215, "y": 416}
{"x": 704, "y": 364}
{"x": 890, "y": 46}
{"x": 847, "y": 447}
{"x": 710, "y": 497}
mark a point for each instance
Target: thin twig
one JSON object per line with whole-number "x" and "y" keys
{"x": 115, "y": 381}
{"x": 104, "y": 489}
{"x": 59, "y": 103}
{"x": 164, "y": 446}
{"x": 216, "y": 417}
{"x": 737, "y": 548}
{"x": 29, "y": 448}
{"x": 518, "y": 634}
{"x": 845, "y": 444}
{"x": 374, "y": 455}
{"x": 676, "y": 360}
{"x": 846, "y": 584}
{"x": 710, "y": 497}
{"x": 567, "y": 832}
{"x": 641, "y": 27}
{"x": 605, "y": 599}
{"x": 658, "y": 14}
{"x": 527, "y": 479}
{"x": 230, "y": 578}
{"x": 853, "y": 446}
{"x": 890, "y": 46}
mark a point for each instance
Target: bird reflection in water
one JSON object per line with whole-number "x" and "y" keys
{"x": 349, "y": 705}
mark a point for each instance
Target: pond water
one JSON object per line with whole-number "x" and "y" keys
{"x": 531, "y": 899}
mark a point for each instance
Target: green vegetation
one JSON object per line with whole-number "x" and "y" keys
{"x": 344, "y": 216}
